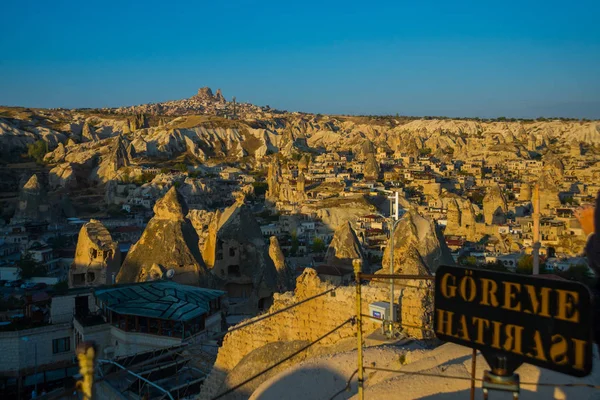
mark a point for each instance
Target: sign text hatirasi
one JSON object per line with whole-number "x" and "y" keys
{"x": 545, "y": 322}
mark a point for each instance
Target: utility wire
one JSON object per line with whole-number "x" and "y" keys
{"x": 265, "y": 316}
{"x": 468, "y": 378}
{"x": 347, "y": 387}
{"x": 430, "y": 288}
{"x": 401, "y": 324}
{"x": 179, "y": 348}
{"x": 283, "y": 360}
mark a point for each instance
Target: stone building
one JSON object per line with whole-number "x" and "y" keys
{"x": 549, "y": 194}
{"x": 284, "y": 273}
{"x": 494, "y": 206}
{"x": 169, "y": 242}
{"x": 419, "y": 247}
{"x": 97, "y": 257}
{"x": 238, "y": 257}
{"x": 32, "y": 205}
{"x": 344, "y": 248}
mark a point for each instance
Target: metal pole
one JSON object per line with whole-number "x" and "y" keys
{"x": 35, "y": 369}
{"x": 473, "y": 367}
{"x": 536, "y": 229}
{"x": 357, "y": 264}
{"x": 391, "y": 318}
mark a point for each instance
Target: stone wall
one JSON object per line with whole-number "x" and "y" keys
{"x": 312, "y": 319}
{"x": 415, "y": 300}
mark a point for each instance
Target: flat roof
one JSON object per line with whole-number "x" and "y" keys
{"x": 158, "y": 299}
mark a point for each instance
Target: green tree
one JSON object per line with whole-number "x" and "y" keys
{"x": 525, "y": 265}
{"x": 318, "y": 246}
{"x": 37, "y": 151}
{"x": 425, "y": 151}
{"x": 580, "y": 273}
{"x": 469, "y": 261}
{"x": 295, "y": 244}
{"x": 181, "y": 167}
{"x": 28, "y": 267}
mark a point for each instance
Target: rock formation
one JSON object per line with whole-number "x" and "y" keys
{"x": 371, "y": 167}
{"x": 460, "y": 216}
{"x": 117, "y": 158}
{"x": 169, "y": 241}
{"x": 284, "y": 274}
{"x": 273, "y": 177}
{"x": 57, "y": 155}
{"x": 219, "y": 97}
{"x": 97, "y": 257}
{"x": 554, "y": 165}
{"x": 549, "y": 193}
{"x": 344, "y": 248}
{"x": 238, "y": 256}
{"x": 419, "y": 247}
{"x": 62, "y": 176}
{"x": 281, "y": 186}
{"x": 494, "y": 206}
{"x": 88, "y": 133}
{"x": 138, "y": 121}
{"x": 33, "y": 205}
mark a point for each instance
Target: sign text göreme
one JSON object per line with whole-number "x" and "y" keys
{"x": 544, "y": 322}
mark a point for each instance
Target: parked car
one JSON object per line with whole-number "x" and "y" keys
{"x": 16, "y": 283}
{"x": 39, "y": 285}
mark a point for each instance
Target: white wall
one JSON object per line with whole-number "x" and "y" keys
{"x": 126, "y": 343}
{"x": 18, "y": 353}
{"x": 9, "y": 273}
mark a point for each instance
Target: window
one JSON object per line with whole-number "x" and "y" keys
{"x": 61, "y": 345}
{"x": 232, "y": 252}
{"x": 233, "y": 270}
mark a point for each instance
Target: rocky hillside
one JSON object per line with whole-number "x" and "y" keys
{"x": 205, "y": 135}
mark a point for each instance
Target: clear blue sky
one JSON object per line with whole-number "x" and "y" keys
{"x": 474, "y": 58}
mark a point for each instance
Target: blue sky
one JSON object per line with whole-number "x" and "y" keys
{"x": 470, "y": 58}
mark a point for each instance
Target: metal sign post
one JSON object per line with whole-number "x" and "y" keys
{"x": 514, "y": 319}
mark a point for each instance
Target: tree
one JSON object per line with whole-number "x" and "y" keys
{"x": 37, "y": 151}
{"x": 318, "y": 246}
{"x": 525, "y": 265}
{"x": 425, "y": 151}
{"x": 580, "y": 273}
{"x": 28, "y": 267}
{"x": 470, "y": 261}
{"x": 496, "y": 266}
{"x": 295, "y": 244}
{"x": 181, "y": 167}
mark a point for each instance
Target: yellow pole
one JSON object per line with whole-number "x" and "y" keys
{"x": 357, "y": 264}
